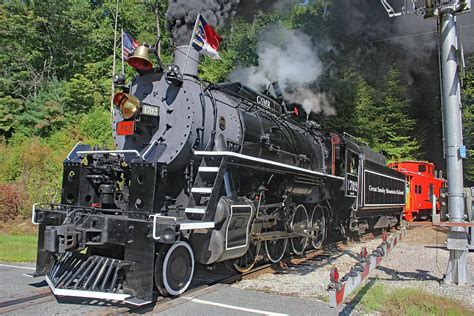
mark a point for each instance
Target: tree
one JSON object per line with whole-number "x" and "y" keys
{"x": 43, "y": 113}
{"x": 394, "y": 136}
{"x": 468, "y": 122}
{"x": 367, "y": 115}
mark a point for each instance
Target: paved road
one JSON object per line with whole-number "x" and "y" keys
{"x": 219, "y": 300}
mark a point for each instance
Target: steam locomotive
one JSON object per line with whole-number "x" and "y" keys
{"x": 203, "y": 174}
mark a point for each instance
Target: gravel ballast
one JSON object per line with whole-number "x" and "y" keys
{"x": 419, "y": 261}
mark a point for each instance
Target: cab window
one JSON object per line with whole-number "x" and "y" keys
{"x": 352, "y": 163}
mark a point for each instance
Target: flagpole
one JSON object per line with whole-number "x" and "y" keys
{"x": 191, "y": 42}
{"x": 123, "y": 70}
{"x": 158, "y": 35}
{"x": 113, "y": 64}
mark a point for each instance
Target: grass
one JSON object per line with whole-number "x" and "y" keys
{"x": 18, "y": 248}
{"x": 409, "y": 301}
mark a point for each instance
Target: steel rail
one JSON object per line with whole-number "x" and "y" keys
{"x": 21, "y": 301}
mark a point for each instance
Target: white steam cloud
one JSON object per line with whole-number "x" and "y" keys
{"x": 290, "y": 57}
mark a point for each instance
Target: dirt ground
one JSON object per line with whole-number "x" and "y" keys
{"x": 419, "y": 261}
{"x": 18, "y": 226}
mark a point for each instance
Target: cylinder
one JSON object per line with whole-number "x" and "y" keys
{"x": 187, "y": 59}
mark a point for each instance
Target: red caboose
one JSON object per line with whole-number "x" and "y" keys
{"x": 422, "y": 183}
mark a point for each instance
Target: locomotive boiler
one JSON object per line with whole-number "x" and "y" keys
{"x": 203, "y": 173}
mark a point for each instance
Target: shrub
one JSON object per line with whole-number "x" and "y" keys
{"x": 12, "y": 198}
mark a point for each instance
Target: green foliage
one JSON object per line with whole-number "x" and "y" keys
{"x": 57, "y": 58}
{"x": 10, "y": 108}
{"x": 96, "y": 127}
{"x": 34, "y": 165}
{"x": 409, "y": 301}
{"x": 376, "y": 114}
{"x": 18, "y": 248}
{"x": 42, "y": 113}
{"x": 395, "y": 126}
{"x": 468, "y": 122}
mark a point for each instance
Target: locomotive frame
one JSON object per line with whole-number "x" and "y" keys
{"x": 220, "y": 175}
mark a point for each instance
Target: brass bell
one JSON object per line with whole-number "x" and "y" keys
{"x": 141, "y": 59}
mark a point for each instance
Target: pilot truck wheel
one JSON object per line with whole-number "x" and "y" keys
{"x": 174, "y": 268}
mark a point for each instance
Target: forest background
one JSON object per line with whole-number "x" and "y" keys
{"x": 56, "y": 68}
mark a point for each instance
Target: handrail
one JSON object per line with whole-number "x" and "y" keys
{"x": 72, "y": 150}
{"x": 33, "y": 213}
{"x": 123, "y": 151}
{"x": 155, "y": 217}
{"x": 156, "y": 142}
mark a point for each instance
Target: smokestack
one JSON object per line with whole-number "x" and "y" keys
{"x": 192, "y": 61}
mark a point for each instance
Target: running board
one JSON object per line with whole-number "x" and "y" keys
{"x": 260, "y": 163}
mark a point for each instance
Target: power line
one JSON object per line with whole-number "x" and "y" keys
{"x": 414, "y": 35}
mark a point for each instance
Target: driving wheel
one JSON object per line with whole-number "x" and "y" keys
{"x": 318, "y": 224}
{"x": 249, "y": 259}
{"x": 299, "y": 224}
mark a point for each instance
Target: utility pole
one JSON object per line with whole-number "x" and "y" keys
{"x": 458, "y": 270}
{"x": 446, "y": 10}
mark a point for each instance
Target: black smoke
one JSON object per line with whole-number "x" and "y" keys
{"x": 181, "y": 15}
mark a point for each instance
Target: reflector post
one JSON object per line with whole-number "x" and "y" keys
{"x": 334, "y": 275}
{"x": 296, "y": 112}
{"x": 364, "y": 253}
{"x": 125, "y": 128}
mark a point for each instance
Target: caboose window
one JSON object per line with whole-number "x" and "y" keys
{"x": 421, "y": 168}
{"x": 417, "y": 189}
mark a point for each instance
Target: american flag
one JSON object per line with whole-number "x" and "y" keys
{"x": 128, "y": 45}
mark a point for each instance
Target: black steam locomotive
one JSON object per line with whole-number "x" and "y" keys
{"x": 203, "y": 173}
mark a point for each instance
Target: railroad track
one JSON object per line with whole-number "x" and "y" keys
{"x": 17, "y": 302}
{"x": 44, "y": 295}
{"x": 163, "y": 303}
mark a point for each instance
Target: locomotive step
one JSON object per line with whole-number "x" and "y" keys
{"x": 195, "y": 210}
{"x": 189, "y": 225}
{"x": 201, "y": 190}
{"x": 208, "y": 169}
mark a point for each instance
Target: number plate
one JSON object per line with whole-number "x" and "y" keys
{"x": 150, "y": 110}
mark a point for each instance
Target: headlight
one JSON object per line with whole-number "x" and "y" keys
{"x": 127, "y": 104}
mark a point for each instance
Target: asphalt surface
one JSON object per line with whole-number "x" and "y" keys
{"x": 219, "y": 300}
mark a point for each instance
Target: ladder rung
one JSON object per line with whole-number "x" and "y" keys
{"x": 194, "y": 210}
{"x": 208, "y": 169}
{"x": 201, "y": 190}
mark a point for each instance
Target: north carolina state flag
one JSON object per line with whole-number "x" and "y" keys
{"x": 205, "y": 39}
